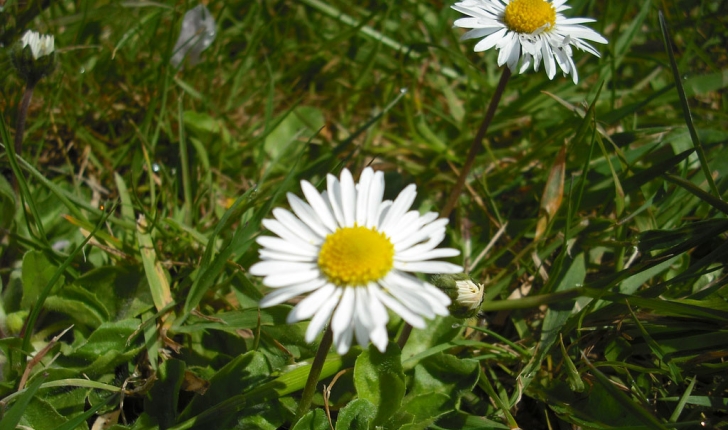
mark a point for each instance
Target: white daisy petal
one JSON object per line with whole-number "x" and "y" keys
{"x": 307, "y": 307}
{"x": 410, "y": 317}
{"x": 534, "y": 33}
{"x": 284, "y": 294}
{"x": 413, "y": 301}
{"x": 297, "y": 226}
{"x": 412, "y": 254}
{"x": 319, "y": 205}
{"x": 428, "y": 267}
{"x": 284, "y": 232}
{"x": 376, "y": 192}
{"x": 399, "y": 207}
{"x": 343, "y": 342}
{"x": 344, "y": 312}
{"x": 307, "y": 214}
{"x": 435, "y": 228}
{"x": 362, "y": 195}
{"x": 438, "y": 294}
{"x": 277, "y": 244}
{"x": 267, "y": 254}
{"x": 408, "y": 224}
{"x": 292, "y": 278}
{"x": 265, "y": 268}
{"x": 348, "y": 198}
{"x": 490, "y": 41}
{"x": 383, "y": 210}
{"x": 322, "y": 316}
{"x": 334, "y": 188}
{"x": 378, "y": 312}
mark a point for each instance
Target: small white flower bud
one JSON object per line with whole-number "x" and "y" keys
{"x": 466, "y": 294}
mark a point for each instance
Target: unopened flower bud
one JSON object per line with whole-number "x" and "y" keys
{"x": 466, "y": 294}
{"x": 34, "y": 56}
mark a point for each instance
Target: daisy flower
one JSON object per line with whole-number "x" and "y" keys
{"x": 40, "y": 45}
{"x": 353, "y": 254}
{"x": 528, "y": 30}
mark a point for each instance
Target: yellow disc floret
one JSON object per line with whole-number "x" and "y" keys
{"x": 527, "y": 16}
{"x": 353, "y": 256}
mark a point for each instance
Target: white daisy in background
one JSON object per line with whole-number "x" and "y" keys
{"x": 533, "y": 30}
{"x": 352, "y": 252}
{"x": 39, "y": 45}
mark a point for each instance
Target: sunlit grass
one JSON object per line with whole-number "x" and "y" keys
{"x": 605, "y": 299}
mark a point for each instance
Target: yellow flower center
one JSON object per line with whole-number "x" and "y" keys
{"x": 353, "y": 256}
{"x": 527, "y": 16}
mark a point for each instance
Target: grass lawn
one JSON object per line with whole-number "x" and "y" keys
{"x": 591, "y": 219}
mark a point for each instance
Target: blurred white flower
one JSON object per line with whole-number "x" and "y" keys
{"x": 533, "y": 30}
{"x": 351, "y": 251}
{"x": 33, "y": 56}
{"x": 197, "y": 34}
{"x": 39, "y": 45}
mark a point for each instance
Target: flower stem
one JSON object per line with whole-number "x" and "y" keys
{"x": 22, "y": 115}
{"x": 477, "y": 144}
{"x": 404, "y": 335}
{"x": 313, "y": 376}
{"x": 474, "y": 149}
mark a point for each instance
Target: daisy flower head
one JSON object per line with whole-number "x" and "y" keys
{"x": 528, "y": 30}
{"x": 34, "y": 56}
{"x": 353, "y": 254}
{"x": 40, "y": 45}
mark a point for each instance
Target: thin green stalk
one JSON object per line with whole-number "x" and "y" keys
{"x": 404, "y": 335}
{"x": 460, "y": 184}
{"x": 22, "y": 115}
{"x": 477, "y": 144}
{"x": 318, "y": 363}
{"x": 485, "y": 385}
{"x": 686, "y": 107}
{"x": 533, "y": 301}
{"x": 184, "y": 160}
{"x": 19, "y": 183}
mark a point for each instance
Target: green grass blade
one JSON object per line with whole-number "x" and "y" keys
{"x": 686, "y": 107}
{"x": 12, "y": 417}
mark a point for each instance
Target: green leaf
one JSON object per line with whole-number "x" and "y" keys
{"x": 438, "y": 331}
{"x": 81, "y": 305}
{"x": 302, "y": 120}
{"x": 106, "y": 347}
{"x": 121, "y": 289}
{"x": 463, "y": 421}
{"x": 242, "y": 374}
{"x": 37, "y": 273}
{"x": 7, "y": 203}
{"x": 161, "y": 400}
{"x": 236, "y": 320}
{"x": 445, "y": 374}
{"x": 313, "y": 420}
{"x": 356, "y": 415}
{"x": 379, "y": 378}
{"x": 427, "y": 408}
{"x": 40, "y": 415}
{"x": 12, "y": 417}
